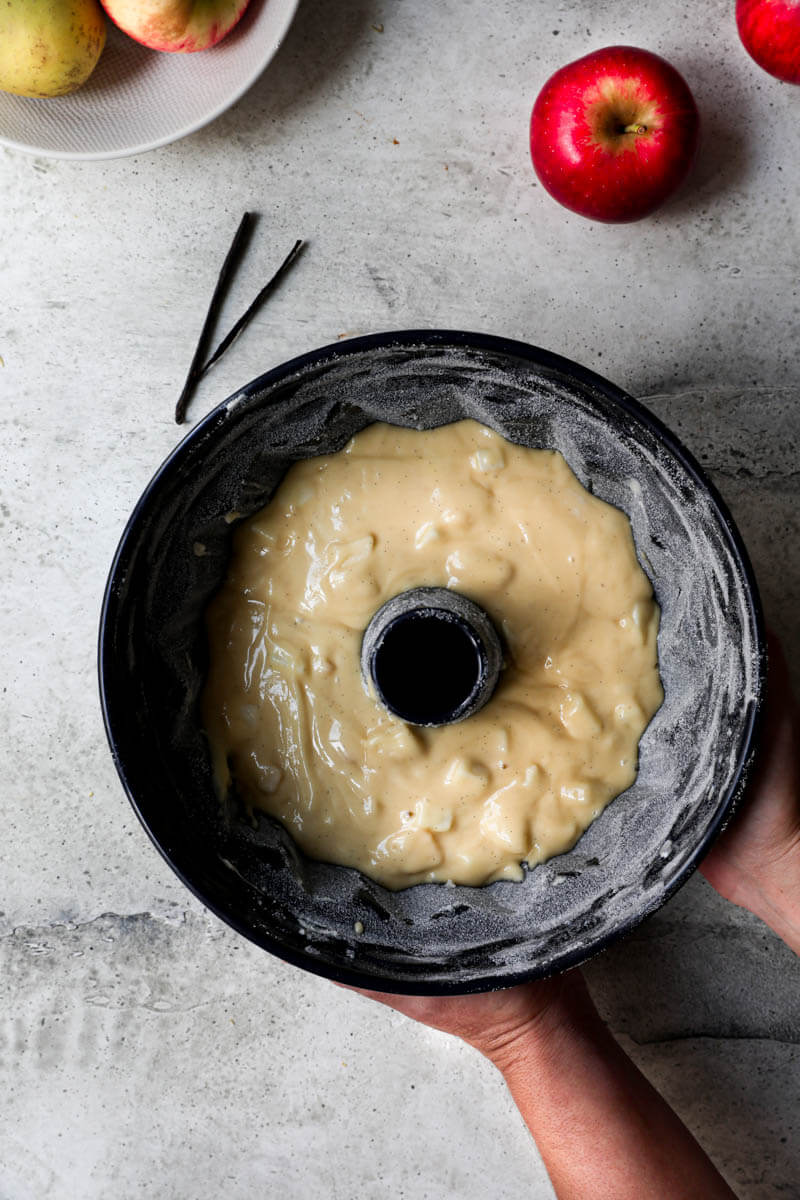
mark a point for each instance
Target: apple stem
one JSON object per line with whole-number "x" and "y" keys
{"x": 635, "y": 129}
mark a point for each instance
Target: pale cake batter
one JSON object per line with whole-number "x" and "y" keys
{"x": 289, "y": 717}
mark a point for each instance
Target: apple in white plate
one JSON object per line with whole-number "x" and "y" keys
{"x": 770, "y": 33}
{"x": 178, "y": 26}
{"x": 613, "y": 134}
{"x": 49, "y": 49}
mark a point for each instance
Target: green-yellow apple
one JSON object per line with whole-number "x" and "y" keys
{"x": 176, "y": 25}
{"x": 49, "y": 47}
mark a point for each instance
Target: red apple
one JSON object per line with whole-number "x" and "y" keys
{"x": 770, "y": 33}
{"x": 614, "y": 133}
{"x": 176, "y": 25}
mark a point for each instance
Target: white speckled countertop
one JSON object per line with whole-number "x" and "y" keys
{"x": 145, "y": 1049}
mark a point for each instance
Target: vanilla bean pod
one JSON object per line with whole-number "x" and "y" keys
{"x": 228, "y": 267}
{"x": 248, "y": 315}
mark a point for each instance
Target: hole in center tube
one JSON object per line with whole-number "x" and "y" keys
{"x": 427, "y": 666}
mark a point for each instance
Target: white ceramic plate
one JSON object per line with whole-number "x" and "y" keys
{"x": 137, "y": 99}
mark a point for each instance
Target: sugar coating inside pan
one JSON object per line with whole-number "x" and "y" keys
{"x": 435, "y": 936}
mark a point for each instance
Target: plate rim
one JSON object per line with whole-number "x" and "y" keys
{"x": 167, "y": 139}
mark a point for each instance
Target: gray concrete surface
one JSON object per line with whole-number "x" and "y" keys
{"x": 145, "y": 1049}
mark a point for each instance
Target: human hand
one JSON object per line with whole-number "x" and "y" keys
{"x": 601, "y": 1129}
{"x": 756, "y": 862}
{"x": 497, "y": 1023}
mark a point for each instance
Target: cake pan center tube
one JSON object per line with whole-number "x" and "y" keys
{"x": 431, "y": 656}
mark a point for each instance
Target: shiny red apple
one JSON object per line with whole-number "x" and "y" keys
{"x": 770, "y": 33}
{"x": 613, "y": 134}
{"x": 176, "y": 25}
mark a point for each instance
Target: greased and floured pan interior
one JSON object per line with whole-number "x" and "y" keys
{"x": 433, "y": 937}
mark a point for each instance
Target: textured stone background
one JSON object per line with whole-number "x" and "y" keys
{"x": 145, "y": 1049}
